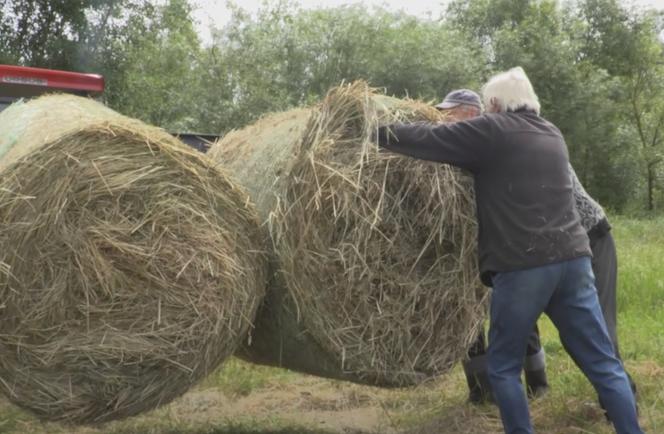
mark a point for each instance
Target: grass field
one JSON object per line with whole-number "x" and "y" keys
{"x": 244, "y": 399}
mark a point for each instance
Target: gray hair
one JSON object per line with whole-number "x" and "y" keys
{"x": 511, "y": 90}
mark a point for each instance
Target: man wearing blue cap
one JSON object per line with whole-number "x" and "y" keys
{"x": 461, "y": 104}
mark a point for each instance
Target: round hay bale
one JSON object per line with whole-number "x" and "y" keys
{"x": 376, "y": 253}
{"x": 130, "y": 266}
{"x": 260, "y": 157}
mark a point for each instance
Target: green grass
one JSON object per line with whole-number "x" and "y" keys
{"x": 240, "y": 379}
{"x": 640, "y": 257}
{"x": 641, "y": 288}
{"x": 245, "y": 399}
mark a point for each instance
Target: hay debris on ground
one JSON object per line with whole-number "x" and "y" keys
{"x": 375, "y": 270}
{"x": 130, "y": 265}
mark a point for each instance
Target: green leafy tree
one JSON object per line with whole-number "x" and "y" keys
{"x": 46, "y": 33}
{"x": 160, "y": 51}
{"x": 625, "y": 43}
{"x": 286, "y": 57}
{"x": 584, "y": 59}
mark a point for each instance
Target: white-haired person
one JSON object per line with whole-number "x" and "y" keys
{"x": 463, "y": 104}
{"x": 459, "y": 105}
{"x": 532, "y": 247}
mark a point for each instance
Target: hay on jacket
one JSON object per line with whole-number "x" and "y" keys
{"x": 374, "y": 269}
{"x": 130, "y": 266}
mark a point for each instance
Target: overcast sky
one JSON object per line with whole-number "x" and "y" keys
{"x": 215, "y": 12}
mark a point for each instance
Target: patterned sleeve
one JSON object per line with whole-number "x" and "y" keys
{"x": 590, "y": 211}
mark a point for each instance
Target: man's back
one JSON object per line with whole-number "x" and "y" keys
{"x": 525, "y": 204}
{"x": 527, "y": 215}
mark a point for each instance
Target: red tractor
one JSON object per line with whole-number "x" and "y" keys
{"x": 17, "y": 82}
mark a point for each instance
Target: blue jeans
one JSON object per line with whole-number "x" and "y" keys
{"x": 566, "y": 292}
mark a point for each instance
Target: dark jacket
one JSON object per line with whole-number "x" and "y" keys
{"x": 525, "y": 205}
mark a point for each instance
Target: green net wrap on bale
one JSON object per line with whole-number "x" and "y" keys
{"x": 130, "y": 266}
{"x": 374, "y": 271}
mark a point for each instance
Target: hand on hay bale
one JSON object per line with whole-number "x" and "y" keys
{"x": 375, "y": 275}
{"x": 131, "y": 266}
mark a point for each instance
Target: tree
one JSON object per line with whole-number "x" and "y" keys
{"x": 646, "y": 96}
{"x": 625, "y": 43}
{"x": 286, "y": 57}
{"x": 160, "y": 51}
{"x": 46, "y": 33}
{"x": 584, "y": 61}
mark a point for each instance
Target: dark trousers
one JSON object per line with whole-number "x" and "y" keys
{"x": 605, "y": 266}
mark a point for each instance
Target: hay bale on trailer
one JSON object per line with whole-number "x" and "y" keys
{"x": 374, "y": 269}
{"x": 130, "y": 266}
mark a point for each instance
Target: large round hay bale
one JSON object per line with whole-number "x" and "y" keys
{"x": 376, "y": 271}
{"x": 130, "y": 266}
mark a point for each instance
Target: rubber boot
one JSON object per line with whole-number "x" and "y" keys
{"x": 477, "y": 378}
{"x": 535, "y": 369}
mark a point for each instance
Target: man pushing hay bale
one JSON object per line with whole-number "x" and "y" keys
{"x": 374, "y": 255}
{"x": 130, "y": 267}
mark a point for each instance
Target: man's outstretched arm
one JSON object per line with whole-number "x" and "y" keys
{"x": 465, "y": 144}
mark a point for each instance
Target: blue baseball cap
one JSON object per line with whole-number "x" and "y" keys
{"x": 458, "y": 97}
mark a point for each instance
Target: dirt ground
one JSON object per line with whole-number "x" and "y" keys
{"x": 309, "y": 402}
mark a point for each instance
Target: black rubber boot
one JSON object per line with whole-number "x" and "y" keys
{"x": 536, "y": 383}
{"x": 478, "y": 380}
{"x": 534, "y": 366}
{"x": 479, "y": 389}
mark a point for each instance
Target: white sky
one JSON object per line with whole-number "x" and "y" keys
{"x": 215, "y": 12}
